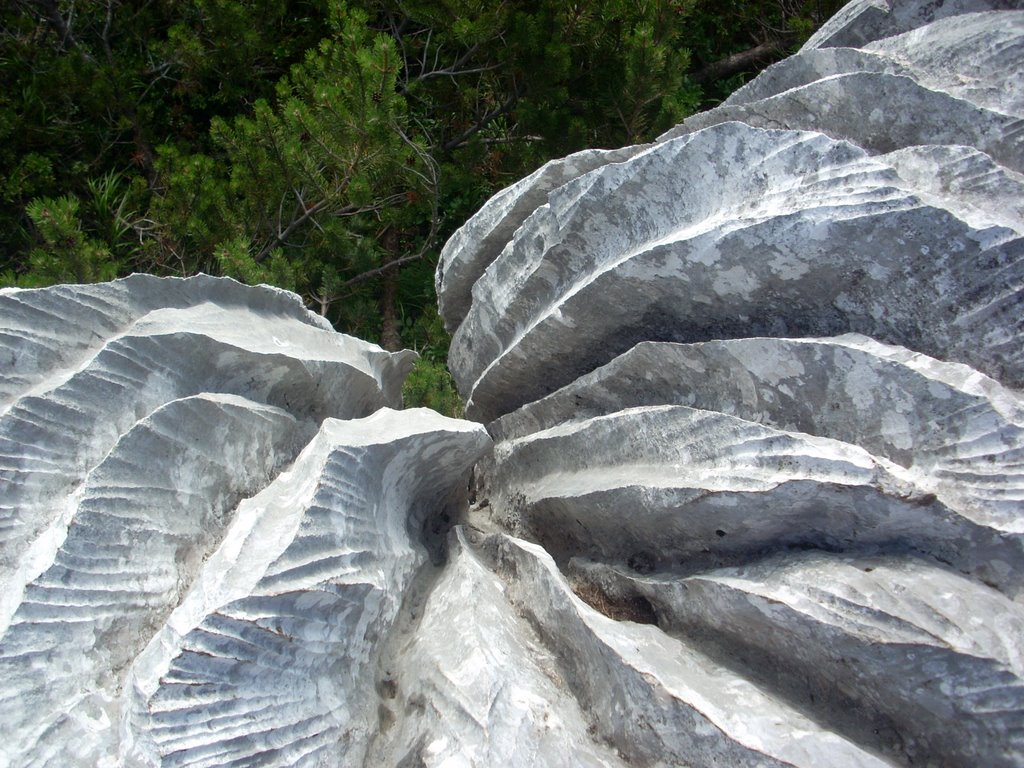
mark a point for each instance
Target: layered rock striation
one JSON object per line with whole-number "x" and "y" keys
{"x": 210, "y": 520}
{"x": 746, "y": 486}
{"x": 755, "y": 390}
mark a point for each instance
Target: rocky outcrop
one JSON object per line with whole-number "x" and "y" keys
{"x": 473, "y": 683}
{"x": 974, "y": 57}
{"x": 888, "y": 650}
{"x": 466, "y": 255}
{"x": 273, "y": 655}
{"x": 864, "y": 21}
{"x": 762, "y": 233}
{"x": 752, "y": 492}
{"x": 210, "y": 518}
{"x": 658, "y": 700}
{"x": 91, "y": 364}
{"x": 756, "y": 396}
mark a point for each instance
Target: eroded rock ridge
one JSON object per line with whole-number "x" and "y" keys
{"x": 755, "y": 390}
{"x": 744, "y": 485}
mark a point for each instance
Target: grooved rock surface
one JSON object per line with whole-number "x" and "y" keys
{"x": 466, "y": 255}
{"x": 658, "y": 700}
{"x": 763, "y": 232}
{"x": 755, "y": 391}
{"x": 273, "y": 653}
{"x": 888, "y": 650}
{"x": 748, "y": 488}
{"x": 865, "y": 21}
{"x": 210, "y": 521}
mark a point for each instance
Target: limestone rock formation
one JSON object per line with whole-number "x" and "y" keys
{"x": 748, "y": 488}
{"x": 210, "y": 517}
{"x": 476, "y": 244}
{"x": 758, "y": 384}
{"x": 762, "y": 232}
{"x": 272, "y": 656}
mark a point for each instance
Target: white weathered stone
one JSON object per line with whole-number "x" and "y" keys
{"x": 52, "y": 333}
{"x": 124, "y": 551}
{"x": 734, "y": 394}
{"x": 659, "y": 701}
{"x": 668, "y": 487}
{"x": 127, "y": 356}
{"x": 905, "y": 113}
{"x": 137, "y": 415}
{"x": 965, "y": 182}
{"x": 791, "y": 234}
{"x": 975, "y": 57}
{"x": 959, "y": 435}
{"x": 272, "y": 655}
{"x": 466, "y": 682}
{"x": 479, "y": 241}
{"x": 757, "y": 401}
{"x": 217, "y": 633}
{"x": 892, "y": 652}
{"x": 864, "y": 21}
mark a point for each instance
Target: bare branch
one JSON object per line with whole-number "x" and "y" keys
{"x": 453, "y": 72}
{"x": 105, "y": 37}
{"x": 281, "y": 237}
{"x": 483, "y": 122}
{"x": 509, "y": 139}
{"x": 381, "y": 270}
{"x": 738, "y": 62}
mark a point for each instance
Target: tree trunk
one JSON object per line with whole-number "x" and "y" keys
{"x": 389, "y": 336}
{"x": 60, "y": 25}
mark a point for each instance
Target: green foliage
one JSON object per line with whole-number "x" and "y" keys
{"x": 429, "y": 385}
{"x": 66, "y": 254}
{"x": 323, "y": 146}
{"x": 234, "y": 259}
{"x": 426, "y": 334}
{"x": 316, "y": 174}
{"x": 190, "y": 215}
{"x": 623, "y": 72}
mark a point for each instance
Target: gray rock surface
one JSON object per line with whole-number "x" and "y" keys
{"x": 888, "y": 651}
{"x": 953, "y": 432}
{"x": 755, "y": 495}
{"x": 51, "y": 333}
{"x": 755, "y": 391}
{"x": 273, "y": 655}
{"x": 199, "y": 556}
{"x": 476, "y": 244}
{"x": 672, "y": 487}
{"x": 763, "y": 232}
{"x": 907, "y": 114}
{"x": 486, "y": 689}
{"x": 123, "y": 553}
{"x": 865, "y": 21}
{"x": 659, "y": 701}
{"x": 68, "y": 405}
{"x": 976, "y": 57}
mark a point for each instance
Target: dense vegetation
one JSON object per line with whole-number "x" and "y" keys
{"x": 330, "y": 147}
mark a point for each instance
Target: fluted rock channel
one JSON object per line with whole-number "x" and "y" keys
{"x": 746, "y": 486}
{"x": 755, "y": 391}
{"x": 211, "y": 522}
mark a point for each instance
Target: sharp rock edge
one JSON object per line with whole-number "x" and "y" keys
{"x": 738, "y": 231}
{"x": 137, "y": 416}
{"x": 755, "y": 390}
{"x": 755, "y": 497}
{"x": 273, "y": 655}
